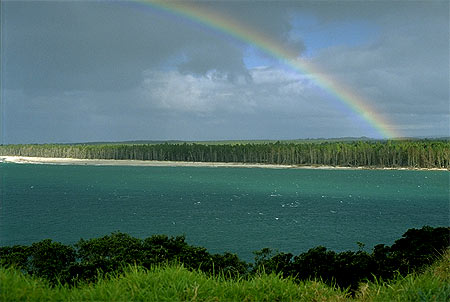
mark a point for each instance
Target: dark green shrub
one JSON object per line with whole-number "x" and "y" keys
{"x": 269, "y": 261}
{"x": 51, "y": 260}
{"x": 318, "y": 262}
{"x": 229, "y": 264}
{"x": 55, "y": 261}
{"x": 107, "y": 254}
{"x": 419, "y": 247}
{"x": 17, "y": 256}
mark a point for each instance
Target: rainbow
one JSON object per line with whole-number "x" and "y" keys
{"x": 235, "y": 29}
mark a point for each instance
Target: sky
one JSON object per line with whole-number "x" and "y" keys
{"x": 84, "y": 71}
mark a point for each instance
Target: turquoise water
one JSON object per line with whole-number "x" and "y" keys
{"x": 223, "y": 209}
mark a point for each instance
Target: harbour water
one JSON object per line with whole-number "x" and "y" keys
{"x": 223, "y": 209}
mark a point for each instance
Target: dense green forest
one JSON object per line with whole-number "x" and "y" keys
{"x": 87, "y": 260}
{"x": 407, "y": 153}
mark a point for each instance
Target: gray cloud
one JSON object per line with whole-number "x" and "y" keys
{"x": 404, "y": 73}
{"x": 78, "y": 45}
{"x": 89, "y": 71}
{"x": 171, "y": 104}
{"x": 95, "y": 45}
{"x": 202, "y": 59}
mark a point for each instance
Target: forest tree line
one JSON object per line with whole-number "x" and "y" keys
{"x": 408, "y": 153}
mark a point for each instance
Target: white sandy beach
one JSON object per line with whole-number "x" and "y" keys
{"x": 155, "y": 163}
{"x": 151, "y": 163}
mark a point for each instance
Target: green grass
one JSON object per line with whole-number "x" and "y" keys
{"x": 175, "y": 283}
{"x": 431, "y": 285}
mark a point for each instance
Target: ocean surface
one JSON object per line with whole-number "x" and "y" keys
{"x": 239, "y": 210}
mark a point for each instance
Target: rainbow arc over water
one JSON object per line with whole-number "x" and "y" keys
{"x": 224, "y": 24}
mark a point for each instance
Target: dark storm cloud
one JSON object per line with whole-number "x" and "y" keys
{"x": 79, "y": 45}
{"x": 200, "y": 59}
{"x": 95, "y": 45}
{"x": 99, "y": 45}
{"x": 406, "y": 69}
{"x": 272, "y": 18}
{"x": 90, "y": 71}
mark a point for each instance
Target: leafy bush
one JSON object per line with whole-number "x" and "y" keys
{"x": 88, "y": 259}
{"x": 17, "y": 256}
{"x": 51, "y": 260}
{"x": 416, "y": 249}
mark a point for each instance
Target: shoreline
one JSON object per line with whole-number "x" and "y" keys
{"x": 154, "y": 163}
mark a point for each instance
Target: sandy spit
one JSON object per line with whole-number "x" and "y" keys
{"x": 155, "y": 163}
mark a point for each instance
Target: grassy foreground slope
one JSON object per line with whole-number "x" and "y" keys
{"x": 175, "y": 283}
